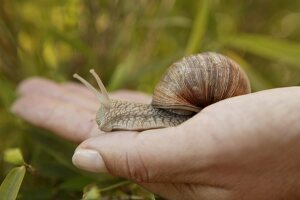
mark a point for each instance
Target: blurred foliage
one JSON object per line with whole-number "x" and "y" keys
{"x": 55, "y": 39}
{"x": 10, "y": 186}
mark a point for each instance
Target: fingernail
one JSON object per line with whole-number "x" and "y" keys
{"x": 89, "y": 160}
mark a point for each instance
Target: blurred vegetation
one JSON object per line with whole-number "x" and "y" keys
{"x": 55, "y": 39}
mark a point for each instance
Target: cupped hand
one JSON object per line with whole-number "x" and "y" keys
{"x": 242, "y": 148}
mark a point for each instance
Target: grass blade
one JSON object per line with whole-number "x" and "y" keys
{"x": 267, "y": 47}
{"x": 122, "y": 72}
{"x": 199, "y": 28}
{"x": 10, "y": 186}
{"x": 114, "y": 186}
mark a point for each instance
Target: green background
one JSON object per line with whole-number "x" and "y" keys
{"x": 139, "y": 38}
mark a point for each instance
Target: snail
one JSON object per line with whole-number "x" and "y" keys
{"x": 188, "y": 86}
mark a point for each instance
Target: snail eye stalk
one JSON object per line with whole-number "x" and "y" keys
{"x": 100, "y": 84}
{"x": 102, "y": 95}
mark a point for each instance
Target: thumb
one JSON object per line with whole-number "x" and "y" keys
{"x": 160, "y": 155}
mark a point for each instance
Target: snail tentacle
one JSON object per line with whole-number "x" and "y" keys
{"x": 100, "y": 84}
{"x": 102, "y": 96}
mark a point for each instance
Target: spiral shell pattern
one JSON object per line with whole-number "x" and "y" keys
{"x": 197, "y": 81}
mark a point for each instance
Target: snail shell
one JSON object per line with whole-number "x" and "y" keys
{"x": 197, "y": 81}
{"x": 189, "y": 85}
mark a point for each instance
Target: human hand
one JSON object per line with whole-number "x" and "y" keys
{"x": 245, "y": 147}
{"x": 67, "y": 109}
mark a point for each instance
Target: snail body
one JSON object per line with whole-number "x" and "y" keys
{"x": 124, "y": 115}
{"x": 188, "y": 86}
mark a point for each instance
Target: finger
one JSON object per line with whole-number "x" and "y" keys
{"x": 47, "y": 88}
{"x": 79, "y": 89}
{"x": 75, "y": 93}
{"x": 188, "y": 191}
{"x": 67, "y": 120}
{"x": 151, "y": 156}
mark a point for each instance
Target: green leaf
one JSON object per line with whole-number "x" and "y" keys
{"x": 13, "y": 156}
{"x": 91, "y": 193}
{"x": 199, "y": 27}
{"x": 152, "y": 197}
{"x": 10, "y": 186}
{"x": 267, "y": 47}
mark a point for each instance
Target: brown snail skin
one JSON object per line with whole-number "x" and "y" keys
{"x": 188, "y": 86}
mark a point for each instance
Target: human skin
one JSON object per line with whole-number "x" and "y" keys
{"x": 242, "y": 148}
